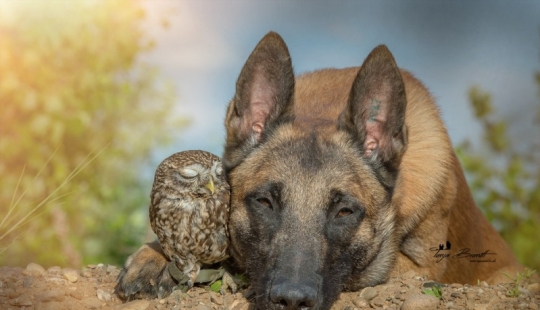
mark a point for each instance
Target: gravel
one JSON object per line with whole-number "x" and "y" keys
{"x": 92, "y": 287}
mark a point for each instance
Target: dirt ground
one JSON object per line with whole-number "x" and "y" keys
{"x": 92, "y": 287}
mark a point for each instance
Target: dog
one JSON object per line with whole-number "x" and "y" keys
{"x": 340, "y": 179}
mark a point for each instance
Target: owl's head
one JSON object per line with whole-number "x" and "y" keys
{"x": 196, "y": 172}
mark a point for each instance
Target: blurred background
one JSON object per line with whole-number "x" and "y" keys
{"x": 94, "y": 94}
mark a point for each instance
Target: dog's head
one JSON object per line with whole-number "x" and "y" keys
{"x": 310, "y": 202}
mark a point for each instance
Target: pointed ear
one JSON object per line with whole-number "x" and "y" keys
{"x": 263, "y": 99}
{"x": 375, "y": 113}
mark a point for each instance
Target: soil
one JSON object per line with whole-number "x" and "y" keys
{"x": 37, "y": 288}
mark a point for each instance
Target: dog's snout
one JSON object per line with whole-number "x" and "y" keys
{"x": 291, "y": 295}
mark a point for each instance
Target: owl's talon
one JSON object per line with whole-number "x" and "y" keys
{"x": 228, "y": 282}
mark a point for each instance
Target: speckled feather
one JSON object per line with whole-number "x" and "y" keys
{"x": 190, "y": 222}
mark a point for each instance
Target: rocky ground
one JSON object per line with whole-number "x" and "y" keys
{"x": 35, "y": 287}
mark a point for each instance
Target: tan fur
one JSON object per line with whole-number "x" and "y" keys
{"x": 432, "y": 197}
{"x": 375, "y": 135}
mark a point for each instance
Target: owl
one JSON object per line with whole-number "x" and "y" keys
{"x": 189, "y": 211}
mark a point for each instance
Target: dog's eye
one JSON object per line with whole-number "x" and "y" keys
{"x": 344, "y": 212}
{"x": 265, "y": 202}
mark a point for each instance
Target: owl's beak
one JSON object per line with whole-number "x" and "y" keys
{"x": 210, "y": 186}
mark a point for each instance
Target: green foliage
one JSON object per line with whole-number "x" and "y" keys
{"x": 521, "y": 279}
{"x": 434, "y": 291}
{"x": 72, "y": 86}
{"x": 216, "y": 286}
{"x": 505, "y": 179}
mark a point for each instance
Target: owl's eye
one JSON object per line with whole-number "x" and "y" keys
{"x": 265, "y": 202}
{"x": 188, "y": 173}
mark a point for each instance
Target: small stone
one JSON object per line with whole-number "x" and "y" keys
{"x": 480, "y": 307}
{"x": 71, "y": 275}
{"x": 11, "y": 293}
{"x": 57, "y": 281}
{"x": 92, "y": 266}
{"x": 480, "y": 291}
{"x": 408, "y": 275}
{"x": 456, "y": 295}
{"x": 420, "y": 302}
{"x": 471, "y": 295}
{"x": 360, "y": 303}
{"x": 92, "y": 303}
{"x": 450, "y": 305}
{"x": 86, "y": 273}
{"x": 76, "y": 294}
{"x": 52, "y": 295}
{"x": 103, "y": 295}
{"x": 55, "y": 269}
{"x": 484, "y": 284}
{"x": 135, "y": 305}
{"x": 22, "y": 301}
{"x": 214, "y": 298}
{"x": 368, "y": 293}
{"x": 456, "y": 285}
{"x": 28, "y": 281}
{"x": 377, "y": 302}
{"x": 533, "y": 306}
{"x": 534, "y": 288}
{"x": 35, "y": 268}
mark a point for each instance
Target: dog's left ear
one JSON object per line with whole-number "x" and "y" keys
{"x": 263, "y": 99}
{"x": 375, "y": 113}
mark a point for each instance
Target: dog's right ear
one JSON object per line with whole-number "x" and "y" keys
{"x": 263, "y": 99}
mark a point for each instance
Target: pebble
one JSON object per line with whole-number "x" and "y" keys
{"x": 22, "y": 301}
{"x": 71, "y": 275}
{"x": 533, "y": 288}
{"x": 103, "y": 295}
{"x": 408, "y": 275}
{"x": 480, "y": 307}
{"x": 456, "y": 295}
{"x": 215, "y": 299}
{"x": 368, "y": 293}
{"x": 52, "y": 295}
{"x": 58, "y": 281}
{"x": 360, "y": 302}
{"x": 135, "y": 305}
{"x": 92, "y": 303}
{"x": 376, "y": 302}
{"x": 471, "y": 295}
{"x": 533, "y": 306}
{"x": 55, "y": 269}
{"x": 28, "y": 281}
{"x": 76, "y": 294}
{"x": 420, "y": 301}
{"x": 35, "y": 268}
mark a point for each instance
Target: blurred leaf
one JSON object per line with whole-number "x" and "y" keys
{"x": 504, "y": 181}
{"x": 72, "y": 80}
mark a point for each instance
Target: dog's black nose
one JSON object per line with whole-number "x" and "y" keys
{"x": 293, "y": 295}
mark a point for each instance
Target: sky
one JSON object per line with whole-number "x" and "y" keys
{"x": 449, "y": 45}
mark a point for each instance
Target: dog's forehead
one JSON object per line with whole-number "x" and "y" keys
{"x": 310, "y": 167}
